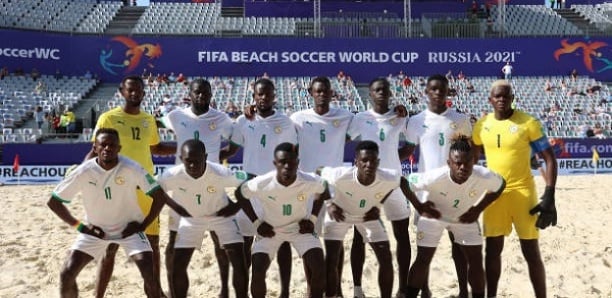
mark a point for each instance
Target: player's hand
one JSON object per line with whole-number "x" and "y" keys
{"x": 265, "y": 230}
{"x": 250, "y": 111}
{"x": 546, "y": 208}
{"x": 470, "y": 216}
{"x": 400, "y": 111}
{"x": 372, "y": 214}
{"x": 92, "y": 230}
{"x": 132, "y": 227}
{"x": 229, "y": 210}
{"x": 306, "y": 226}
{"x": 335, "y": 212}
{"x": 428, "y": 209}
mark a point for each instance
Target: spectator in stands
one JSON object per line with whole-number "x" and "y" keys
{"x": 469, "y": 87}
{"x": 166, "y": 107}
{"x": 507, "y": 70}
{"x": 449, "y": 76}
{"x": 171, "y": 78}
{"x": 460, "y": 76}
{"x": 422, "y": 82}
{"x": 574, "y": 75}
{"x": 552, "y": 4}
{"x": 592, "y": 89}
{"x": 40, "y": 88}
{"x": 548, "y": 86}
{"x": 407, "y": 82}
{"x": 63, "y": 124}
{"x": 58, "y": 74}
{"x": 560, "y": 4}
{"x": 563, "y": 85}
{"x": 181, "y": 78}
{"x": 232, "y": 110}
{"x": 35, "y": 74}
{"x": 39, "y": 116}
{"x": 88, "y": 75}
{"x": 598, "y": 131}
{"x": 19, "y": 71}
{"x": 4, "y": 72}
{"x": 583, "y": 130}
{"x": 70, "y": 121}
{"x": 474, "y": 7}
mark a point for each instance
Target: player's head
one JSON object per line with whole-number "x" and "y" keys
{"x": 264, "y": 95}
{"x": 200, "y": 93}
{"x": 107, "y": 147}
{"x": 132, "y": 89}
{"x": 366, "y": 159}
{"x": 380, "y": 91}
{"x": 321, "y": 91}
{"x": 286, "y": 162}
{"x": 461, "y": 158}
{"x": 437, "y": 91}
{"x": 193, "y": 156}
{"x": 501, "y": 96}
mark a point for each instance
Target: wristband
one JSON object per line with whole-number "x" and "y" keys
{"x": 313, "y": 218}
{"x": 257, "y": 223}
{"x": 80, "y": 227}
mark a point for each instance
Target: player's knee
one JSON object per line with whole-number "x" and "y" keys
{"x": 68, "y": 275}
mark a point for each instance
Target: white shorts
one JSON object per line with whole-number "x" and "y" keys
{"x": 301, "y": 242}
{"x": 96, "y": 247}
{"x": 430, "y": 230}
{"x": 191, "y": 231}
{"x": 173, "y": 220}
{"x": 244, "y": 222}
{"x": 371, "y": 231}
{"x": 396, "y": 206}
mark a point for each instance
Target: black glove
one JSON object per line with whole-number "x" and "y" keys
{"x": 547, "y": 209}
{"x": 306, "y": 226}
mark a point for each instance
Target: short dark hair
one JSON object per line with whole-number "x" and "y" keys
{"x": 323, "y": 80}
{"x": 193, "y": 143}
{"x": 385, "y": 82}
{"x": 201, "y": 82}
{"x": 366, "y": 145}
{"x": 132, "y": 78}
{"x": 461, "y": 143}
{"x": 106, "y": 130}
{"x": 286, "y": 147}
{"x": 265, "y": 83}
{"x": 437, "y": 77}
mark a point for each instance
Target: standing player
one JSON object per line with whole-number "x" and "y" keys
{"x": 431, "y": 130}
{"x": 107, "y": 185}
{"x": 199, "y": 122}
{"x": 259, "y": 137}
{"x": 284, "y": 198}
{"x": 460, "y": 191}
{"x": 381, "y": 125}
{"x": 199, "y": 186}
{"x": 508, "y": 137}
{"x": 140, "y": 139}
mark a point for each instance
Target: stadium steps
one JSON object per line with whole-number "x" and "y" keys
{"x": 304, "y": 29}
{"x": 235, "y": 12}
{"x": 364, "y": 93}
{"x": 125, "y": 20}
{"x": 95, "y": 104}
{"x": 579, "y": 21}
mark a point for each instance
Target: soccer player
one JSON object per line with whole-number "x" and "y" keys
{"x": 107, "y": 186}
{"x": 259, "y": 137}
{"x": 460, "y": 191}
{"x": 382, "y": 125}
{"x": 199, "y": 186}
{"x": 140, "y": 139}
{"x": 200, "y": 122}
{"x": 284, "y": 198}
{"x": 432, "y": 130}
{"x": 507, "y": 137}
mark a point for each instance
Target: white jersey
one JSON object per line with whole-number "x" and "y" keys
{"x": 259, "y": 137}
{"x": 386, "y": 130}
{"x": 204, "y": 196}
{"x": 355, "y": 198}
{"x": 210, "y": 128}
{"x": 433, "y": 132}
{"x": 450, "y": 198}
{"x": 108, "y": 196}
{"x": 283, "y": 205}
{"x": 321, "y": 138}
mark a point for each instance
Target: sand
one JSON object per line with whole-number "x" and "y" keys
{"x": 577, "y": 252}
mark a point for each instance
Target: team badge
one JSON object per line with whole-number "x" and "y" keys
{"x": 420, "y": 235}
{"x": 336, "y": 123}
{"x": 472, "y": 193}
{"x": 278, "y": 130}
{"x": 119, "y": 180}
{"x": 379, "y": 196}
{"x": 145, "y": 124}
{"x": 453, "y": 125}
{"x": 513, "y": 129}
{"x": 212, "y": 126}
{"x": 211, "y": 189}
{"x": 393, "y": 121}
{"x": 301, "y": 197}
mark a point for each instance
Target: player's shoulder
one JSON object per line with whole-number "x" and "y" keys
{"x": 171, "y": 173}
{"x": 437, "y": 174}
{"x": 483, "y": 172}
{"x": 130, "y": 164}
{"x": 338, "y": 173}
{"x": 387, "y": 174}
{"x": 217, "y": 169}
{"x": 308, "y": 177}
